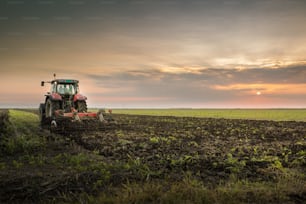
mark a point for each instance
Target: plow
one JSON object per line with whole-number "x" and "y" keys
{"x": 65, "y": 109}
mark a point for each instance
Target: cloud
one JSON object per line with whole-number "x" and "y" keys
{"x": 206, "y": 86}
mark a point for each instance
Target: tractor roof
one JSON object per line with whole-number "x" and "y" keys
{"x": 65, "y": 81}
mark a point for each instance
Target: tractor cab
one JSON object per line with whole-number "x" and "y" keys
{"x": 65, "y": 86}
{"x": 65, "y": 89}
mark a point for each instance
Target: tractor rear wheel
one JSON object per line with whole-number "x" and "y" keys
{"x": 51, "y": 107}
{"x": 82, "y": 106}
{"x": 42, "y": 114}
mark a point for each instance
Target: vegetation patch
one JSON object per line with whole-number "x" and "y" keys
{"x": 22, "y": 134}
{"x": 255, "y": 114}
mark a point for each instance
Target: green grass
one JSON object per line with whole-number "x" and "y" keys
{"x": 256, "y": 114}
{"x": 24, "y": 121}
{"x": 22, "y": 135}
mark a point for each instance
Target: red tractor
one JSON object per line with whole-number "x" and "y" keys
{"x": 64, "y": 103}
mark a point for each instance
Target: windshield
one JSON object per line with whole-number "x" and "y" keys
{"x": 67, "y": 89}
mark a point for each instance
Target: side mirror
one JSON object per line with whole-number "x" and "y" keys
{"x": 42, "y": 83}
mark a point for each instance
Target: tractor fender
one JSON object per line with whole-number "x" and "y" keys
{"x": 79, "y": 97}
{"x": 54, "y": 97}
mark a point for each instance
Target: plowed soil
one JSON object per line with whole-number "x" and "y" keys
{"x": 210, "y": 148}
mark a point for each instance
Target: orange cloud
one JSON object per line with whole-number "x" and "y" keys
{"x": 133, "y": 99}
{"x": 180, "y": 70}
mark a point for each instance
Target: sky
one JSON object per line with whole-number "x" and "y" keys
{"x": 156, "y": 53}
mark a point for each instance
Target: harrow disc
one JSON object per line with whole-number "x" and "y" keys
{"x": 67, "y": 126}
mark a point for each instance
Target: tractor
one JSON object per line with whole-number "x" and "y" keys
{"x": 64, "y": 105}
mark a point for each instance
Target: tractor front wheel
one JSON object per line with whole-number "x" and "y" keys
{"x": 51, "y": 107}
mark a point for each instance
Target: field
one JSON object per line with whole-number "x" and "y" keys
{"x": 255, "y": 114}
{"x": 157, "y": 159}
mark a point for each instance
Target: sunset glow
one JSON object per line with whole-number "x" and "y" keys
{"x": 272, "y": 89}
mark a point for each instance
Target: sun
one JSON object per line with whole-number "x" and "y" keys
{"x": 258, "y": 93}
